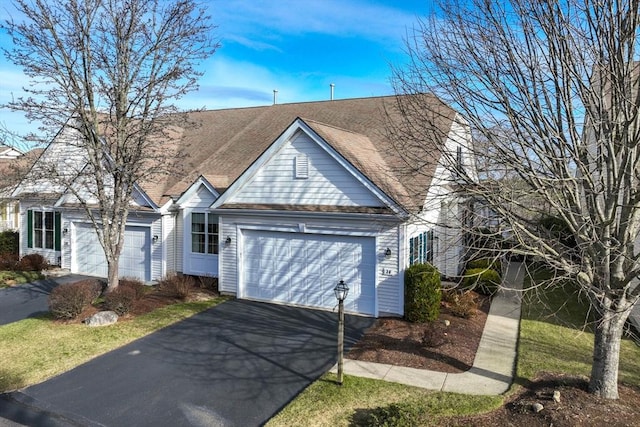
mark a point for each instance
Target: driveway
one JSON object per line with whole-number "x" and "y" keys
{"x": 30, "y": 299}
{"x": 236, "y": 364}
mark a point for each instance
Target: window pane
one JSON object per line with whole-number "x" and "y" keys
{"x": 48, "y": 239}
{"x": 37, "y": 229}
{"x": 48, "y": 220}
{"x": 197, "y": 243}
{"x": 212, "y": 234}
{"x": 198, "y": 237}
{"x": 37, "y": 220}
{"x": 197, "y": 222}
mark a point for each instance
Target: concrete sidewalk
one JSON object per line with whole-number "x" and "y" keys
{"x": 494, "y": 365}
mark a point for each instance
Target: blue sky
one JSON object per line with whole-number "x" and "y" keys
{"x": 298, "y": 47}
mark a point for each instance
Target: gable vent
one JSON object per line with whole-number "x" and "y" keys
{"x": 302, "y": 166}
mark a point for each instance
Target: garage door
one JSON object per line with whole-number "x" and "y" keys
{"x": 303, "y": 269}
{"x": 135, "y": 260}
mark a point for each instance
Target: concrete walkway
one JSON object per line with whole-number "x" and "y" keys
{"x": 494, "y": 365}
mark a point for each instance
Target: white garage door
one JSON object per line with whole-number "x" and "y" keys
{"x": 303, "y": 269}
{"x": 135, "y": 259}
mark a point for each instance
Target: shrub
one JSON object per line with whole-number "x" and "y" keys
{"x": 207, "y": 282}
{"x": 67, "y": 301}
{"x": 9, "y": 261}
{"x": 486, "y": 263}
{"x": 178, "y": 286}
{"x": 393, "y": 415}
{"x": 120, "y": 300}
{"x": 33, "y": 262}
{"x": 9, "y": 242}
{"x": 463, "y": 304}
{"x": 435, "y": 336}
{"x": 485, "y": 281}
{"x": 422, "y": 293}
{"x": 138, "y": 288}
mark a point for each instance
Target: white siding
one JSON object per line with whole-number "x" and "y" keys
{"x": 328, "y": 183}
{"x": 390, "y": 285}
{"x": 169, "y": 241}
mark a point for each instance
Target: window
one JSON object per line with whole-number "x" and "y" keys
{"x": 43, "y": 229}
{"x": 421, "y": 248}
{"x": 204, "y": 233}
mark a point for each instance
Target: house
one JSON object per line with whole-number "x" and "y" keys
{"x": 12, "y": 161}
{"x": 279, "y": 203}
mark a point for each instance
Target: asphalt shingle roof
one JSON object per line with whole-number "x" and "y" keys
{"x": 221, "y": 144}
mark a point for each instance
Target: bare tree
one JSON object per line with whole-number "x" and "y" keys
{"x": 551, "y": 89}
{"x": 110, "y": 70}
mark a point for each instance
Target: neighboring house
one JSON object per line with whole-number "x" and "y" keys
{"x": 279, "y": 203}
{"x": 10, "y": 161}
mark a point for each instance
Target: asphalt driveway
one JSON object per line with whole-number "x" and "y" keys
{"x": 236, "y": 364}
{"x": 30, "y": 299}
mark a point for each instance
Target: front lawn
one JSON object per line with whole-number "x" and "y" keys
{"x": 12, "y": 278}
{"x": 33, "y": 350}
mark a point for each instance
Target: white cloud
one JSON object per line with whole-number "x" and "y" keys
{"x": 355, "y": 18}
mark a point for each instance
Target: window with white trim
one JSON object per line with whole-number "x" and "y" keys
{"x": 204, "y": 233}
{"x": 421, "y": 248}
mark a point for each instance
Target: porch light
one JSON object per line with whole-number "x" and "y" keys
{"x": 228, "y": 240}
{"x": 387, "y": 253}
{"x": 154, "y": 239}
{"x": 341, "y": 290}
{"x": 65, "y": 230}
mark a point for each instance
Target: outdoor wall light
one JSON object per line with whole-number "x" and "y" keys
{"x": 228, "y": 240}
{"x": 65, "y": 230}
{"x": 387, "y": 253}
{"x": 154, "y": 238}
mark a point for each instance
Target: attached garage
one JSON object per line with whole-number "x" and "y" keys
{"x": 135, "y": 259}
{"x": 303, "y": 269}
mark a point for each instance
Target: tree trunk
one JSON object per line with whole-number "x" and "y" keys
{"x": 606, "y": 354}
{"x": 112, "y": 271}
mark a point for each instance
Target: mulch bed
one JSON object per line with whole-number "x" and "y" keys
{"x": 432, "y": 345}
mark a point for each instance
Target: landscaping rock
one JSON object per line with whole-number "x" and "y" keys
{"x": 102, "y": 318}
{"x": 556, "y": 396}
{"x": 537, "y": 407}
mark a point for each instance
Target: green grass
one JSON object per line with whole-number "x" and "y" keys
{"x": 555, "y": 336}
{"x": 10, "y": 278}
{"x": 33, "y": 350}
{"x": 324, "y": 403}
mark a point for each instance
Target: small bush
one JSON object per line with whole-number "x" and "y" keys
{"x": 177, "y": 286}
{"x": 393, "y": 415}
{"x": 9, "y": 242}
{"x": 463, "y": 304}
{"x": 207, "y": 282}
{"x": 9, "y": 261}
{"x": 486, "y": 263}
{"x": 67, "y": 301}
{"x": 138, "y": 288}
{"x": 422, "y": 293}
{"x": 120, "y": 300}
{"x": 435, "y": 336}
{"x": 485, "y": 281}
{"x": 33, "y": 262}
